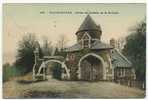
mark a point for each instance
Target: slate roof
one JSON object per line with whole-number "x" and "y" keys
{"x": 88, "y": 24}
{"x": 119, "y": 60}
{"x": 95, "y": 46}
{"x": 75, "y": 47}
{"x": 100, "y": 45}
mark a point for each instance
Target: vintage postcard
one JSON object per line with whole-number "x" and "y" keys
{"x": 74, "y": 50}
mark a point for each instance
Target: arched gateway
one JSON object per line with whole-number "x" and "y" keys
{"x": 45, "y": 64}
{"x": 40, "y": 70}
{"x": 91, "y": 67}
{"x": 82, "y": 61}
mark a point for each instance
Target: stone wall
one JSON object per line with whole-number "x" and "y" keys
{"x": 74, "y": 57}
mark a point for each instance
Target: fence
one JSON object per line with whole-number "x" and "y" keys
{"x": 132, "y": 83}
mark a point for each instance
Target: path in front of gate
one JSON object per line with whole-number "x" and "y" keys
{"x": 68, "y": 89}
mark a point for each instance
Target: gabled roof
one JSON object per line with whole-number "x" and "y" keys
{"x": 95, "y": 46}
{"x": 88, "y": 24}
{"x": 119, "y": 60}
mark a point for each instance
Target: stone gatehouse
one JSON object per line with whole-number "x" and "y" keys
{"x": 90, "y": 59}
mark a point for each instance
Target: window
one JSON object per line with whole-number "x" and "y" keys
{"x": 86, "y": 39}
{"x": 86, "y": 43}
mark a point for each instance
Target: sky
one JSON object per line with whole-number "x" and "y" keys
{"x": 44, "y": 21}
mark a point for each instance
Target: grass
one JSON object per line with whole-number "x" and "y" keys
{"x": 23, "y": 88}
{"x": 43, "y": 94}
{"x": 11, "y": 72}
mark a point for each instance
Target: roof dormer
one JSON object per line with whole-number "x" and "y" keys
{"x": 86, "y": 40}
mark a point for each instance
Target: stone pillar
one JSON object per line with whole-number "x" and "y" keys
{"x": 36, "y": 55}
{"x": 110, "y": 65}
{"x": 79, "y": 72}
{"x": 44, "y": 72}
{"x": 134, "y": 74}
{"x": 104, "y": 70}
{"x": 124, "y": 72}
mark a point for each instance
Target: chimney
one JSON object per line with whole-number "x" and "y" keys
{"x": 113, "y": 42}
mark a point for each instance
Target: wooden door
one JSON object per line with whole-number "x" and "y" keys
{"x": 85, "y": 70}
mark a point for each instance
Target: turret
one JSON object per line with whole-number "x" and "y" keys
{"x": 90, "y": 27}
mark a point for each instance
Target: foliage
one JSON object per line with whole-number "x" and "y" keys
{"x": 25, "y": 53}
{"x": 10, "y": 71}
{"x": 57, "y": 52}
{"x": 46, "y": 48}
{"x": 6, "y": 72}
{"x": 135, "y": 49}
{"x": 62, "y": 42}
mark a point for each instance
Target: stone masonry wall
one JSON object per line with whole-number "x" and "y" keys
{"x": 74, "y": 57}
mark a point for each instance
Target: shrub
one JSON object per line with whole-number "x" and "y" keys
{"x": 10, "y": 71}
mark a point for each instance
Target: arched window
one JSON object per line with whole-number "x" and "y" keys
{"x": 86, "y": 39}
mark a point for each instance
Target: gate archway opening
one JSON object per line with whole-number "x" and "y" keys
{"x": 60, "y": 68}
{"x": 91, "y": 67}
{"x": 54, "y": 70}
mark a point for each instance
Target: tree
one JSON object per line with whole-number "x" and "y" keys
{"x": 135, "y": 49}
{"x": 46, "y": 48}
{"x": 6, "y": 72}
{"x": 62, "y": 42}
{"x": 57, "y": 52}
{"x": 10, "y": 71}
{"x": 25, "y": 53}
{"x": 61, "y": 45}
{"x": 120, "y": 43}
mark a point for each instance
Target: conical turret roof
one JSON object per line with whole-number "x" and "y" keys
{"x": 88, "y": 24}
